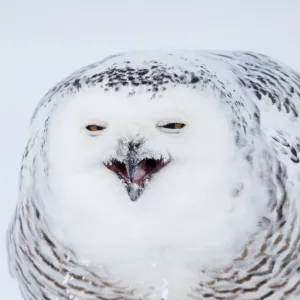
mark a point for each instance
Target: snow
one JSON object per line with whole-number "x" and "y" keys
{"x": 40, "y": 44}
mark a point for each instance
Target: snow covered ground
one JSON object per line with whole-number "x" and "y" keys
{"x": 41, "y": 43}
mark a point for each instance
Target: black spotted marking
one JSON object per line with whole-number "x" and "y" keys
{"x": 77, "y": 83}
{"x": 258, "y": 95}
{"x": 37, "y": 213}
{"x": 195, "y": 79}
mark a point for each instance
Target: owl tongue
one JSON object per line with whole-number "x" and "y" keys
{"x": 138, "y": 174}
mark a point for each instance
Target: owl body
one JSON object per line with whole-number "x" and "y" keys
{"x": 162, "y": 175}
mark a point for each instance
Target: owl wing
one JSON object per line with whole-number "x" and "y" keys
{"x": 275, "y": 89}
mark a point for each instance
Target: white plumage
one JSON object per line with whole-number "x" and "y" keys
{"x": 163, "y": 175}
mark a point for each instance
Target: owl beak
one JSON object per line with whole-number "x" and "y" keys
{"x": 131, "y": 164}
{"x": 135, "y": 172}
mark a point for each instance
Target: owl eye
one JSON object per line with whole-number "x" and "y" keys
{"x": 173, "y": 126}
{"x": 94, "y": 127}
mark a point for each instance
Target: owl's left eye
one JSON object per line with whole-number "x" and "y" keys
{"x": 94, "y": 127}
{"x": 171, "y": 127}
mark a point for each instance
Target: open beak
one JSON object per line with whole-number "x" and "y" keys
{"x": 135, "y": 172}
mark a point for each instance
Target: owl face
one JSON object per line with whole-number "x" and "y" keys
{"x": 135, "y": 138}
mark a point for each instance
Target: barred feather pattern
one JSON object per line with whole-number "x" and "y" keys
{"x": 266, "y": 268}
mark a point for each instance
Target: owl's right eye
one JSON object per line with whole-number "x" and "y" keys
{"x": 95, "y": 127}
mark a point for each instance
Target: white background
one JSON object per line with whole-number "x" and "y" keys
{"x": 43, "y": 41}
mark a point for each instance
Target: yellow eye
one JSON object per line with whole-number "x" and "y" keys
{"x": 94, "y": 127}
{"x": 173, "y": 125}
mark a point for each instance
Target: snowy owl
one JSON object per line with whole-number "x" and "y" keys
{"x": 163, "y": 175}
